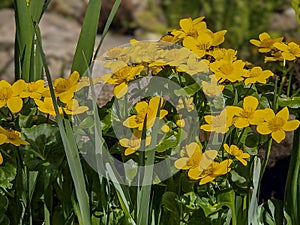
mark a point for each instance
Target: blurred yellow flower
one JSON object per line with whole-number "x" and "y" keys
{"x": 165, "y": 128}
{"x": 219, "y": 123}
{"x": 193, "y": 66}
{"x": 33, "y": 89}
{"x": 133, "y": 144}
{"x": 120, "y": 77}
{"x": 212, "y": 88}
{"x": 227, "y": 70}
{"x": 144, "y": 109}
{"x": 176, "y": 57}
{"x": 11, "y": 137}
{"x": 10, "y": 95}
{"x": 215, "y": 170}
{"x": 223, "y": 53}
{"x": 277, "y": 125}
{"x": 72, "y": 108}
{"x": 256, "y": 74}
{"x": 187, "y": 104}
{"x": 180, "y": 123}
{"x": 196, "y": 161}
{"x": 290, "y": 51}
{"x": 237, "y": 153}
{"x": 47, "y": 106}
{"x": 265, "y": 42}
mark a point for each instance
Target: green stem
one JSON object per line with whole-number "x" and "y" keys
{"x": 288, "y": 92}
{"x": 292, "y": 189}
{"x": 265, "y": 162}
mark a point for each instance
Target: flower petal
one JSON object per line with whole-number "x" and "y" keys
{"x": 263, "y": 128}
{"x": 284, "y": 113}
{"x": 182, "y": 163}
{"x": 278, "y": 135}
{"x": 131, "y": 122}
{"x": 192, "y": 148}
{"x": 291, "y": 125}
{"x": 15, "y": 104}
{"x": 120, "y": 90}
{"x": 250, "y": 103}
{"x": 194, "y": 173}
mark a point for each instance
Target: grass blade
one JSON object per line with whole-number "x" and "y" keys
{"x": 71, "y": 149}
{"x": 85, "y": 46}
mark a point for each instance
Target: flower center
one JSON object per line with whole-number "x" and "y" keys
{"x": 226, "y": 68}
{"x": 5, "y": 93}
{"x": 12, "y": 134}
{"x": 62, "y": 86}
{"x": 194, "y": 161}
{"x": 32, "y": 87}
{"x": 246, "y": 114}
{"x": 140, "y": 117}
{"x": 276, "y": 124}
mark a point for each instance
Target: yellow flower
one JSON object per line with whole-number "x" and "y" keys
{"x": 215, "y": 170}
{"x": 198, "y": 45}
{"x": 73, "y": 108}
{"x": 219, "y": 123}
{"x": 12, "y": 137}
{"x": 212, "y": 88}
{"x": 223, "y": 53}
{"x": 276, "y": 56}
{"x": 33, "y": 89}
{"x": 180, "y": 123}
{"x": 188, "y": 104}
{"x": 248, "y": 115}
{"x": 120, "y": 78}
{"x": 265, "y": 42}
{"x": 165, "y": 128}
{"x": 144, "y": 109}
{"x": 10, "y": 95}
{"x": 65, "y": 88}
{"x": 47, "y": 106}
{"x": 227, "y": 70}
{"x": 133, "y": 144}
{"x": 193, "y": 66}
{"x": 277, "y": 125}
{"x": 256, "y": 74}
{"x": 176, "y": 57}
{"x": 189, "y": 27}
{"x": 196, "y": 161}
{"x": 290, "y": 51}
{"x": 237, "y": 153}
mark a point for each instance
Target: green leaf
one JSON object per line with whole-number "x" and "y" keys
{"x": 85, "y": 46}
{"x": 167, "y": 143}
{"x": 8, "y": 173}
{"x": 169, "y": 202}
{"x": 188, "y": 90}
{"x": 296, "y": 7}
{"x": 293, "y": 102}
{"x": 251, "y": 140}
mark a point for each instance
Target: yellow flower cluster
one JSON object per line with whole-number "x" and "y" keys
{"x": 144, "y": 111}
{"x": 12, "y": 95}
{"x": 240, "y": 117}
{"x": 148, "y": 58}
{"x": 202, "y": 165}
{"x": 278, "y": 49}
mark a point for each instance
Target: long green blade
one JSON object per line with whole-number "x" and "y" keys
{"x": 85, "y": 46}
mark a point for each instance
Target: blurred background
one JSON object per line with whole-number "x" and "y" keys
{"x": 148, "y": 20}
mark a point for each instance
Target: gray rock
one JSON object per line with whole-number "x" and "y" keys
{"x": 59, "y": 37}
